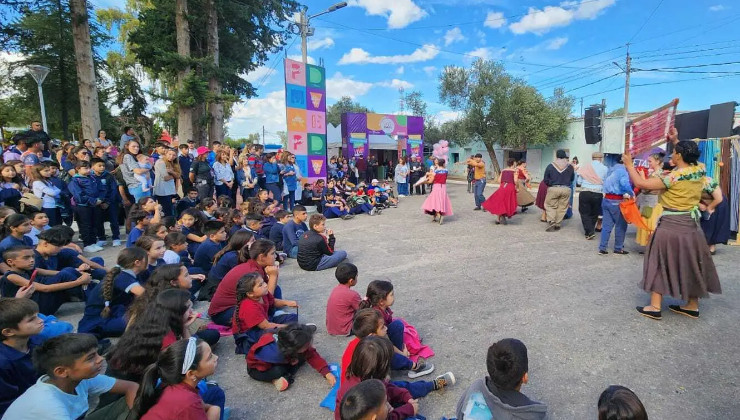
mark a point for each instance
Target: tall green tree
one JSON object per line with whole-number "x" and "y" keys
{"x": 345, "y": 104}
{"x": 416, "y": 104}
{"x": 86, "y": 80}
{"x": 499, "y": 109}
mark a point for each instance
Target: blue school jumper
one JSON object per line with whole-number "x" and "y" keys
{"x": 115, "y": 324}
{"x": 192, "y": 245}
{"x": 16, "y": 374}
{"x": 68, "y": 257}
{"x": 84, "y": 190}
{"x": 256, "y": 234}
{"x": 234, "y": 229}
{"x": 108, "y": 192}
{"x": 205, "y": 253}
{"x": 143, "y": 277}
{"x": 224, "y": 264}
{"x": 133, "y": 236}
{"x": 276, "y": 235}
{"x": 267, "y": 224}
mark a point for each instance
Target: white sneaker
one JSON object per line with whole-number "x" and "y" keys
{"x": 117, "y": 242}
{"x": 92, "y": 248}
{"x": 101, "y": 243}
{"x": 401, "y": 195}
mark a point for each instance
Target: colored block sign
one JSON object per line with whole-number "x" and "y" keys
{"x": 295, "y": 96}
{"x": 295, "y": 73}
{"x": 296, "y": 119}
{"x": 317, "y": 166}
{"x": 315, "y": 99}
{"x": 302, "y": 162}
{"x": 315, "y": 77}
{"x": 316, "y": 122}
{"x": 297, "y": 143}
{"x": 316, "y": 144}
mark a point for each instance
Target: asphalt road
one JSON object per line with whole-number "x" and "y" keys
{"x": 468, "y": 283}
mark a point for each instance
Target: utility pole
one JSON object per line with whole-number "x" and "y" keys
{"x": 263, "y": 135}
{"x": 306, "y": 31}
{"x": 603, "y": 123}
{"x": 628, "y": 70}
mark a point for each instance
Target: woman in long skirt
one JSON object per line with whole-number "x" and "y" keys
{"x": 438, "y": 203}
{"x": 540, "y": 200}
{"x": 677, "y": 260}
{"x": 523, "y": 197}
{"x": 502, "y": 202}
{"x": 716, "y": 220}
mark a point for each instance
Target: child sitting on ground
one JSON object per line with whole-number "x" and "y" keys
{"x": 254, "y": 306}
{"x": 368, "y": 322}
{"x": 334, "y": 208}
{"x": 234, "y": 253}
{"x": 343, "y": 301}
{"x": 188, "y": 202}
{"x": 293, "y": 230}
{"x": 105, "y": 311}
{"x": 14, "y": 230}
{"x": 177, "y": 249}
{"x": 142, "y": 161}
{"x": 19, "y": 321}
{"x": 216, "y": 234}
{"x": 277, "y": 357}
{"x": 141, "y": 220}
{"x": 158, "y": 230}
{"x": 620, "y": 403}
{"x": 39, "y": 223}
{"x": 169, "y": 387}
{"x": 253, "y": 223}
{"x": 234, "y": 222}
{"x": 372, "y": 360}
{"x": 316, "y": 247}
{"x": 268, "y": 221}
{"x": 208, "y": 207}
{"x": 70, "y": 365}
{"x": 380, "y": 297}
{"x": 191, "y": 225}
{"x": 365, "y": 401}
{"x": 276, "y": 232}
{"x": 498, "y": 395}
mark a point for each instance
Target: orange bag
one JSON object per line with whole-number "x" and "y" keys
{"x": 631, "y": 213}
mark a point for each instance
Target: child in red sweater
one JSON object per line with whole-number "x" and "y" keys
{"x": 277, "y": 357}
{"x": 372, "y": 360}
{"x": 366, "y": 401}
{"x": 254, "y": 304}
{"x": 343, "y": 301}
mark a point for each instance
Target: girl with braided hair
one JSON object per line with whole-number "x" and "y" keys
{"x": 107, "y": 303}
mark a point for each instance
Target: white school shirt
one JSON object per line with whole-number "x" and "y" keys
{"x": 47, "y": 193}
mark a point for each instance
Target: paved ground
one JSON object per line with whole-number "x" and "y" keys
{"x": 468, "y": 283}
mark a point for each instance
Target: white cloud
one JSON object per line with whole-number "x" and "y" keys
{"x": 400, "y": 70}
{"x": 481, "y": 36}
{"x": 400, "y": 13}
{"x": 430, "y": 70}
{"x": 248, "y": 117}
{"x": 453, "y": 35}
{"x": 717, "y": 8}
{"x": 445, "y": 116}
{"x": 494, "y": 20}
{"x": 360, "y": 56}
{"x": 556, "y": 43}
{"x": 540, "y": 21}
{"x": 396, "y": 84}
{"x": 486, "y": 53}
{"x": 259, "y": 74}
{"x": 309, "y": 59}
{"x": 318, "y": 44}
{"x": 338, "y": 85}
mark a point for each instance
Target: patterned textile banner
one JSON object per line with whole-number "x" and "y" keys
{"x": 650, "y": 130}
{"x": 305, "y": 102}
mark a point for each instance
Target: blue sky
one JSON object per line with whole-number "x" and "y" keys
{"x": 374, "y": 47}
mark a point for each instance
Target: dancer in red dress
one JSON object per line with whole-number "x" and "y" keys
{"x": 438, "y": 203}
{"x": 503, "y": 202}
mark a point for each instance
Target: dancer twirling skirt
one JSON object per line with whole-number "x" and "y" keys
{"x": 438, "y": 203}
{"x": 677, "y": 260}
{"x": 502, "y": 202}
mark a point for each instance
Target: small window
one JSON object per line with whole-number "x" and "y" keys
{"x": 455, "y": 157}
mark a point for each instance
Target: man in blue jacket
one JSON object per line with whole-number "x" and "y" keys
{"x": 617, "y": 187}
{"x": 84, "y": 190}
{"x": 107, "y": 190}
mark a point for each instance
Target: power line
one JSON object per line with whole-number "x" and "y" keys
{"x": 593, "y": 83}
{"x": 691, "y": 66}
{"x": 686, "y": 80}
{"x": 646, "y": 21}
{"x": 696, "y": 72}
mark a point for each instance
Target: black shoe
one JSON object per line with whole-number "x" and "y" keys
{"x": 656, "y": 315}
{"x": 557, "y": 227}
{"x": 503, "y": 220}
{"x": 551, "y": 228}
{"x": 677, "y": 309}
{"x": 477, "y": 208}
{"x": 621, "y": 252}
{"x": 603, "y": 252}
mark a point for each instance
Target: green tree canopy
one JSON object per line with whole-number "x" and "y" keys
{"x": 346, "y": 104}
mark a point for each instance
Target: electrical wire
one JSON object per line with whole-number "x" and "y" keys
{"x": 646, "y": 21}
{"x": 592, "y": 83}
{"x": 691, "y": 66}
{"x": 276, "y": 60}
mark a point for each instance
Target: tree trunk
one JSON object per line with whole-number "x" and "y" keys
{"x": 200, "y": 131}
{"x": 89, "y": 106}
{"x": 216, "y": 107}
{"x": 182, "y": 28}
{"x": 63, "y": 76}
{"x": 494, "y": 161}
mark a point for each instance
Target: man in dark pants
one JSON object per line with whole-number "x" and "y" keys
{"x": 372, "y": 169}
{"x": 591, "y": 179}
{"x": 416, "y": 173}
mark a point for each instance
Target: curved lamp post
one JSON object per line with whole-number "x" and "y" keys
{"x": 39, "y": 73}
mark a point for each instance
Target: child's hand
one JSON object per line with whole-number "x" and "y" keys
{"x": 333, "y": 380}
{"x": 84, "y": 279}
{"x": 414, "y": 403}
{"x": 271, "y": 270}
{"x": 199, "y": 277}
{"x": 191, "y": 318}
{"x": 405, "y": 351}
{"x": 329, "y": 232}
{"x": 291, "y": 303}
{"x": 25, "y": 291}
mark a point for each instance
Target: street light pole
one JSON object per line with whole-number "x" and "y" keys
{"x": 307, "y": 31}
{"x": 39, "y": 74}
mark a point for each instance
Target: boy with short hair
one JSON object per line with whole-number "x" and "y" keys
{"x": 141, "y": 221}
{"x": 276, "y": 232}
{"x": 71, "y": 368}
{"x": 343, "y": 301}
{"x": 365, "y": 401}
{"x": 188, "y": 202}
{"x": 107, "y": 211}
{"x": 19, "y": 321}
{"x": 216, "y": 233}
{"x": 498, "y": 395}
{"x": 293, "y": 230}
{"x": 316, "y": 247}
{"x": 177, "y": 249}
{"x": 252, "y": 224}
{"x": 84, "y": 190}
{"x": 39, "y": 223}
{"x": 334, "y": 208}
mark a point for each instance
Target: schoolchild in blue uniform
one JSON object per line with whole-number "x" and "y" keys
{"x": 70, "y": 257}
{"x": 64, "y": 202}
{"x": 84, "y": 190}
{"x": 268, "y": 221}
{"x": 155, "y": 250}
{"x": 108, "y": 210}
{"x": 291, "y": 181}
{"x": 334, "y": 208}
{"x": 190, "y": 225}
{"x": 107, "y": 303}
{"x": 234, "y": 253}
{"x": 276, "y": 232}
{"x": 188, "y": 202}
{"x": 141, "y": 220}
{"x": 253, "y": 225}
{"x": 216, "y": 233}
{"x": 14, "y": 229}
{"x": 272, "y": 177}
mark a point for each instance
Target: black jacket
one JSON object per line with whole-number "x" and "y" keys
{"x": 311, "y": 247}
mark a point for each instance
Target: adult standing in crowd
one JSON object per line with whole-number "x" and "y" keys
{"x": 479, "y": 179}
{"x": 185, "y": 160}
{"x": 127, "y": 136}
{"x": 37, "y": 132}
{"x": 361, "y": 165}
{"x": 201, "y": 174}
{"x": 372, "y": 169}
{"x": 246, "y": 178}
{"x": 224, "y": 174}
{"x": 416, "y": 173}
{"x": 402, "y": 174}
{"x": 102, "y": 141}
{"x": 79, "y": 153}
{"x": 129, "y": 168}
{"x": 166, "y": 176}
{"x": 591, "y": 179}
{"x": 15, "y": 152}
{"x": 559, "y": 176}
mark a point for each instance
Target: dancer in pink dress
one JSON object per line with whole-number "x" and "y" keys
{"x": 438, "y": 203}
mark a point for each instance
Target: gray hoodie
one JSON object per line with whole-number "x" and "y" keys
{"x": 481, "y": 403}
